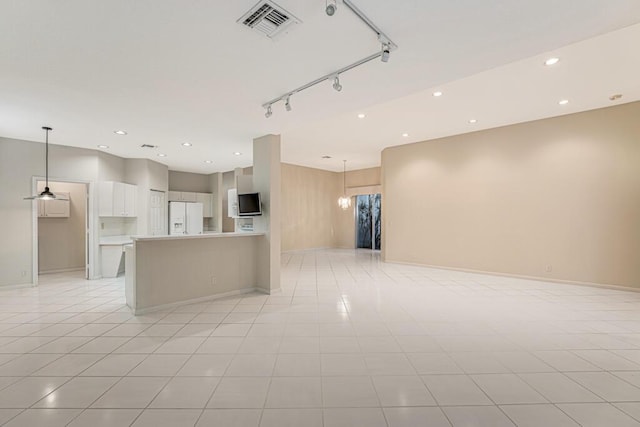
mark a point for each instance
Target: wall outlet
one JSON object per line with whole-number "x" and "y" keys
{"x": 549, "y": 268}
{"x": 23, "y": 273}
{"x": 213, "y": 281}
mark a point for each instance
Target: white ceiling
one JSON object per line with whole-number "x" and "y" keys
{"x": 173, "y": 71}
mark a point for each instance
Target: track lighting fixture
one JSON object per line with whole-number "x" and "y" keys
{"x": 386, "y": 51}
{"x": 336, "y": 83}
{"x": 383, "y": 53}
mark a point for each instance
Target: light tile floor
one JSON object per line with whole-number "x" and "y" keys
{"x": 349, "y": 341}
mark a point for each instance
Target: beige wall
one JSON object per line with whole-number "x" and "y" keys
{"x": 345, "y": 221}
{"x": 311, "y": 217}
{"x": 363, "y": 177}
{"x": 187, "y": 181}
{"x": 560, "y": 194}
{"x": 61, "y": 241}
{"x": 308, "y": 200}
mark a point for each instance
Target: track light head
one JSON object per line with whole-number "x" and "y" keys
{"x": 336, "y": 83}
{"x": 268, "y": 113}
{"x": 386, "y": 52}
{"x": 331, "y": 8}
{"x": 287, "y": 103}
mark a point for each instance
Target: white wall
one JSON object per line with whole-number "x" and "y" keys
{"x": 20, "y": 161}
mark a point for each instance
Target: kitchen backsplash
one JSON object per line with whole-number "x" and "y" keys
{"x": 118, "y": 226}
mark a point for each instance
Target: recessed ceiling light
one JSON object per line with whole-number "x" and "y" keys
{"x": 472, "y": 121}
{"x": 551, "y": 61}
{"x": 437, "y": 93}
{"x": 237, "y": 153}
{"x": 563, "y": 102}
{"x": 208, "y": 161}
{"x": 186, "y": 144}
{"x": 405, "y": 135}
{"x": 103, "y": 146}
{"x": 162, "y": 155}
{"x": 120, "y": 132}
{"x": 362, "y": 115}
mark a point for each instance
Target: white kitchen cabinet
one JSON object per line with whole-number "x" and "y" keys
{"x": 130, "y": 200}
{"x": 55, "y": 208}
{"x": 207, "y": 201}
{"x": 117, "y": 199}
{"x": 182, "y": 196}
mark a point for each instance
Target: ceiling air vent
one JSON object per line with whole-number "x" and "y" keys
{"x": 268, "y": 18}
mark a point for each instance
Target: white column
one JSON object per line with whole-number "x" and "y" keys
{"x": 266, "y": 181}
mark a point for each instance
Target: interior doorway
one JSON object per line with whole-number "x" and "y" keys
{"x": 368, "y": 221}
{"x": 157, "y": 210}
{"x": 62, "y": 231}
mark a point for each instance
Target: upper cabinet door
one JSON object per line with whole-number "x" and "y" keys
{"x": 55, "y": 208}
{"x": 188, "y": 196}
{"x": 205, "y": 199}
{"x": 130, "y": 200}
{"x": 175, "y": 196}
{"x": 119, "y": 208}
{"x": 58, "y": 208}
{"x": 117, "y": 199}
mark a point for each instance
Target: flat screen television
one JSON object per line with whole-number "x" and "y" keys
{"x": 249, "y": 204}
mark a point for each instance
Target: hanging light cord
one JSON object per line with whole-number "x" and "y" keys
{"x": 46, "y": 161}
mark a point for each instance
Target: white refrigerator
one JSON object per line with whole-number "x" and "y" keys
{"x": 185, "y": 218}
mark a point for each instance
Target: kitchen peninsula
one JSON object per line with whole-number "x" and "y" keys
{"x": 166, "y": 271}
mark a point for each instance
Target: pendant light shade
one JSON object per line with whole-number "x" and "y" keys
{"x": 46, "y": 194}
{"x": 344, "y": 201}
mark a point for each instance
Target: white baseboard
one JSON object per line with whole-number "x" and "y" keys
{"x": 20, "y": 286}
{"x": 294, "y": 251}
{"x": 194, "y": 301}
{"x": 62, "y": 270}
{"x": 521, "y": 276}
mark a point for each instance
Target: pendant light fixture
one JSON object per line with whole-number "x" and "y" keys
{"x": 46, "y": 194}
{"x": 344, "y": 201}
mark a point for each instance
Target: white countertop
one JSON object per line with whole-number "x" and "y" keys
{"x": 115, "y": 240}
{"x": 196, "y": 236}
